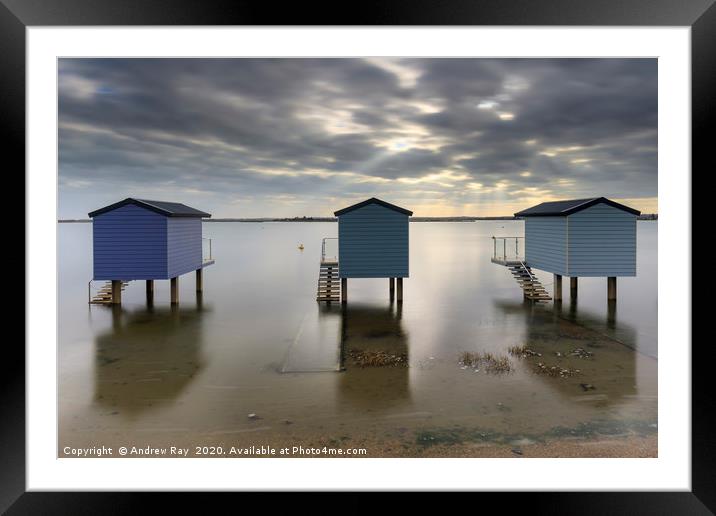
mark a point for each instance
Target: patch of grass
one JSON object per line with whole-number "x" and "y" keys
{"x": 499, "y": 365}
{"x": 522, "y": 352}
{"x": 488, "y": 361}
{"x": 468, "y": 358}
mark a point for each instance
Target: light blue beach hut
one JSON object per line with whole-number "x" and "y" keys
{"x": 373, "y": 242}
{"x": 593, "y": 237}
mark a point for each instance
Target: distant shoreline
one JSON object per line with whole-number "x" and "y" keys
{"x": 645, "y": 216}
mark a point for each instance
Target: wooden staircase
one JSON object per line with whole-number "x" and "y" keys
{"x": 104, "y": 294}
{"x": 329, "y": 283}
{"x": 529, "y": 283}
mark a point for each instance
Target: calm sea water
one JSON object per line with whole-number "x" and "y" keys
{"x": 257, "y": 342}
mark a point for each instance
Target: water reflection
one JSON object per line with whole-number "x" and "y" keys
{"x": 599, "y": 368}
{"x": 606, "y": 324}
{"x": 374, "y": 355}
{"x": 148, "y": 357}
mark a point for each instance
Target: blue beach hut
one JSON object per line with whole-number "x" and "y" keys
{"x": 373, "y": 242}
{"x": 139, "y": 239}
{"x": 593, "y": 237}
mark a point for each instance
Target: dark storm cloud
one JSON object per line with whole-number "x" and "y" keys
{"x": 281, "y": 132}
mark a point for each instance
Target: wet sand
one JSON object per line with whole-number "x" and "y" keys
{"x": 625, "y": 447}
{"x": 258, "y": 444}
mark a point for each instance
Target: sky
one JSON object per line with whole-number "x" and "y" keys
{"x": 305, "y": 137}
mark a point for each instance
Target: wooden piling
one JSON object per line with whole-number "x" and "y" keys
{"x": 199, "y": 280}
{"x": 174, "y": 289}
{"x": 391, "y": 282}
{"x": 150, "y": 291}
{"x": 116, "y": 318}
{"x": 557, "y": 287}
{"x": 573, "y": 287}
{"x": 611, "y": 288}
{"x": 116, "y": 292}
{"x": 611, "y": 313}
{"x": 400, "y": 290}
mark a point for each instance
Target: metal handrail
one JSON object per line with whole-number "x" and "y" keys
{"x": 323, "y": 248}
{"x": 504, "y": 246}
{"x": 528, "y": 271}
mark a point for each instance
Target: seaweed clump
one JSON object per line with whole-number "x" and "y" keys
{"x": 581, "y": 353}
{"x": 555, "y": 371}
{"x": 377, "y": 358}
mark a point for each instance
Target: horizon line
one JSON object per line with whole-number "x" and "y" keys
{"x": 333, "y": 218}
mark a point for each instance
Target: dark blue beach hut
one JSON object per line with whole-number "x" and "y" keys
{"x": 593, "y": 237}
{"x": 139, "y": 239}
{"x": 373, "y": 242}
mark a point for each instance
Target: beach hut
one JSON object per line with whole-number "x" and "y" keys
{"x": 138, "y": 239}
{"x": 593, "y": 237}
{"x": 372, "y": 243}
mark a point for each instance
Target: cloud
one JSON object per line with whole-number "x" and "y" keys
{"x": 324, "y": 132}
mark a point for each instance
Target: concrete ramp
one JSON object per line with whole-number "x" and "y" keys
{"x": 317, "y": 345}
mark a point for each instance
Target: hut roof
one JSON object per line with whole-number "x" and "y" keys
{"x": 169, "y": 209}
{"x": 564, "y": 208}
{"x": 373, "y": 200}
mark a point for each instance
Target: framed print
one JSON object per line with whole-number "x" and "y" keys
{"x": 437, "y": 248}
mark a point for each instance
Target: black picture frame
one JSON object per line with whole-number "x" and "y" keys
{"x": 700, "y": 15}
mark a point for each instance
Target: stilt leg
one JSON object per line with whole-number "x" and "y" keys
{"x": 150, "y": 291}
{"x": 557, "y": 287}
{"x": 611, "y": 313}
{"x": 611, "y": 288}
{"x": 116, "y": 318}
{"x": 344, "y": 290}
{"x": 199, "y": 280}
{"x": 391, "y": 283}
{"x": 174, "y": 288}
{"x": 573, "y": 287}
{"x": 116, "y": 292}
{"x": 400, "y": 290}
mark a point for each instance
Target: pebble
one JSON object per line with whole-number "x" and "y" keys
{"x": 253, "y": 416}
{"x": 516, "y": 451}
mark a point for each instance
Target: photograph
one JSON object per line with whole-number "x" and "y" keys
{"x": 357, "y": 257}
